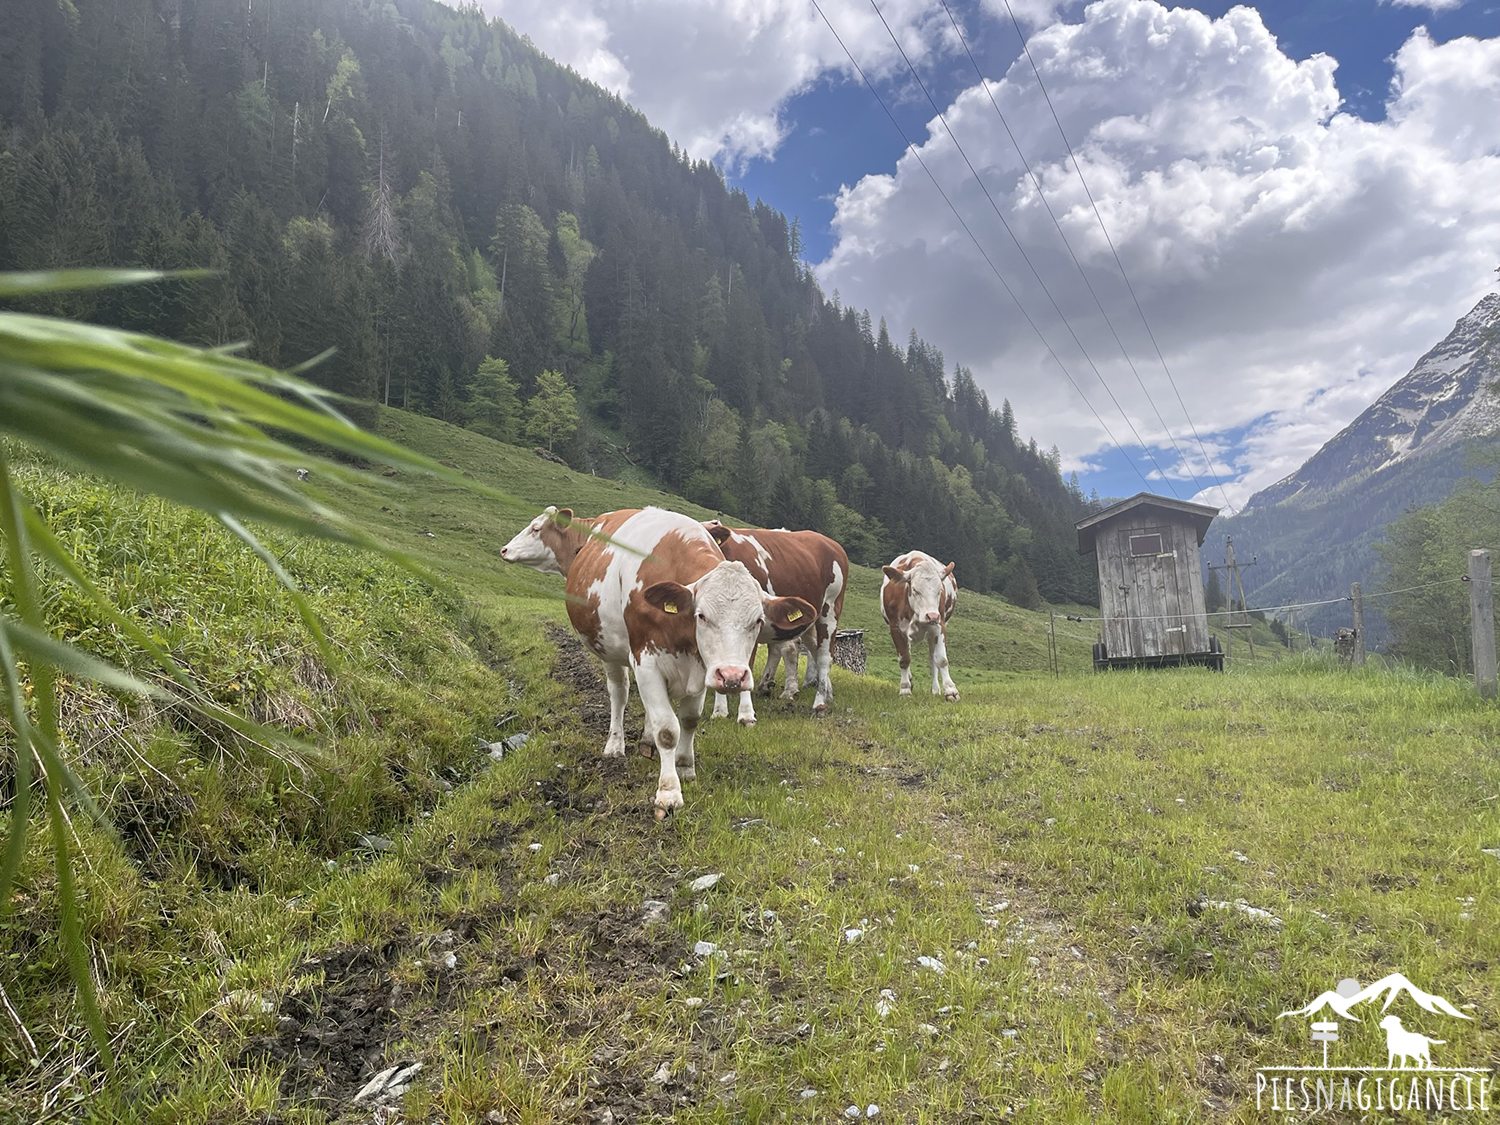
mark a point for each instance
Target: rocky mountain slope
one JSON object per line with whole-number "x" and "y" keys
{"x": 1314, "y": 532}
{"x": 1438, "y": 404}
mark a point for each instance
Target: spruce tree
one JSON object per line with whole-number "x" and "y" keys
{"x": 552, "y": 413}
{"x": 494, "y": 401}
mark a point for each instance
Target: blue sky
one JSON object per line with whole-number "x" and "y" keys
{"x": 1303, "y": 196}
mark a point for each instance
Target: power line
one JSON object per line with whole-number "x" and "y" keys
{"x": 1068, "y": 245}
{"x": 1025, "y": 256}
{"x": 1026, "y": 47}
{"x": 988, "y": 261}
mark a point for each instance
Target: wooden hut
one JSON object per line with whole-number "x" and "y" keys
{"x": 1151, "y": 582}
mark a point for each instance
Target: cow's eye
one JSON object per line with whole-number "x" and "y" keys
{"x": 703, "y": 619}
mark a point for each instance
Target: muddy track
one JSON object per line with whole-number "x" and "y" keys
{"x": 582, "y": 672}
{"x": 346, "y": 1008}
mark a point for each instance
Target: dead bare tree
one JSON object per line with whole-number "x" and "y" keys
{"x": 382, "y": 234}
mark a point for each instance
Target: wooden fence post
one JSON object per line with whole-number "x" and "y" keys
{"x": 1482, "y": 623}
{"x": 1358, "y": 597}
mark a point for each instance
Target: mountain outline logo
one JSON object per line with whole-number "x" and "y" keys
{"x": 1410, "y": 1078}
{"x": 1393, "y": 986}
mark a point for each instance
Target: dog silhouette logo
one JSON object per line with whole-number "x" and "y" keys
{"x": 1403, "y": 1044}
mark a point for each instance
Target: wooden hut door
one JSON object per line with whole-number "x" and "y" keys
{"x": 1153, "y": 596}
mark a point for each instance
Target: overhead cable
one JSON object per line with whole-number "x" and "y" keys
{"x": 1024, "y": 255}
{"x": 988, "y": 261}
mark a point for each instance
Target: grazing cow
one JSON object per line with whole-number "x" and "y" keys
{"x": 658, "y": 597}
{"x": 917, "y": 598}
{"x": 801, "y": 564}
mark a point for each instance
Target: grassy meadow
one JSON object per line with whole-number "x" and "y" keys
{"x": 1021, "y": 906}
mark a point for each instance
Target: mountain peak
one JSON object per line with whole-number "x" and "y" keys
{"x": 1444, "y": 400}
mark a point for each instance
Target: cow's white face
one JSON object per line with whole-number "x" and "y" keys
{"x": 729, "y": 610}
{"x": 529, "y": 549}
{"x": 924, "y": 590}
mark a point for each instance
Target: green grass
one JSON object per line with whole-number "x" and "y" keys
{"x": 1097, "y": 808}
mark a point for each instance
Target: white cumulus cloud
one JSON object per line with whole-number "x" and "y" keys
{"x": 716, "y": 76}
{"x": 1430, "y": 5}
{"x": 1292, "y": 260}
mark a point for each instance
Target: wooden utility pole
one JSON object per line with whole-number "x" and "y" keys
{"x": 1357, "y": 596}
{"x": 1232, "y": 582}
{"x": 1229, "y": 601}
{"x": 1052, "y": 641}
{"x": 1482, "y": 624}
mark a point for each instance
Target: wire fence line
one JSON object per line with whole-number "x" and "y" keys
{"x": 1270, "y": 609}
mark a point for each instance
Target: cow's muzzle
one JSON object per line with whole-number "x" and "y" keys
{"x": 931, "y": 618}
{"x": 733, "y": 677}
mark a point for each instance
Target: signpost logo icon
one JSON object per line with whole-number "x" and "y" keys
{"x": 1327, "y": 1031}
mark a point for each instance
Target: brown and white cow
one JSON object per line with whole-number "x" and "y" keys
{"x": 917, "y": 598}
{"x": 658, "y": 597}
{"x": 801, "y": 564}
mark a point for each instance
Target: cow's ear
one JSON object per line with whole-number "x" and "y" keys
{"x": 670, "y": 597}
{"x": 894, "y": 575}
{"x": 718, "y": 531}
{"x": 789, "y": 616}
{"x": 563, "y": 516}
{"x": 948, "y": 571}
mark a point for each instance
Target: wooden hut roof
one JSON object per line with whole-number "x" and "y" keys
{"x": 1201, "y": 515}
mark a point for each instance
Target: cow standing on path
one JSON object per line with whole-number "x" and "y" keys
{"x": 659, "y": 598}
{"x": 802, "y": 564}
{"x": 917, "y": 598}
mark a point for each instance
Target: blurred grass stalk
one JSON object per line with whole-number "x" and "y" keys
{"x": 191, "y": 425}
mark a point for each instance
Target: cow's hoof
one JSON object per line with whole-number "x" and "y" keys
{"x": 820, "y": 710}
{"x": 904, "y": 691}
{"x": 661, "y": 814}
{"x": 747, "y": 722}
{"x": 614, "y": 751}
{"x": 667, "y": 800}
{"x": 951, "y": 697}
{"x": 686, "y": 773}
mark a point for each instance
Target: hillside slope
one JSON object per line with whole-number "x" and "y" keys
{"x": 1314, "y": 531}
{"x": 988, "y": 638}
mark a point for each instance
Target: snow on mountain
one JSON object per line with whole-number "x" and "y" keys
{"x": 1445, "y": 399}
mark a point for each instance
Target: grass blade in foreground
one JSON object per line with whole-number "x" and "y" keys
{"x": 183, "y": 423}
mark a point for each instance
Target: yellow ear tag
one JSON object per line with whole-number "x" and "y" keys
{"x": 669, "y": 607}
{"x": 796, "y": 613}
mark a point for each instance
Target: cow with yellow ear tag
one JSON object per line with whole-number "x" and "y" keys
{"x": 655, "y": 595}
